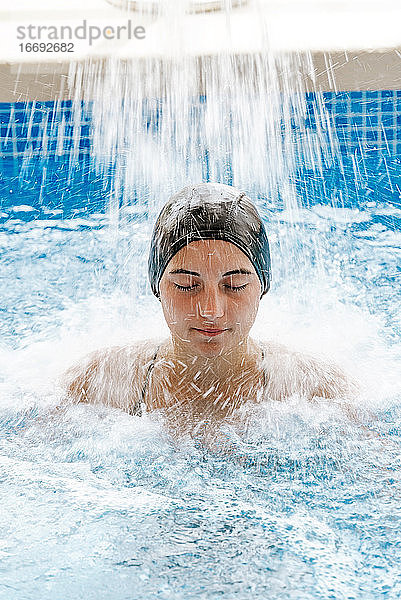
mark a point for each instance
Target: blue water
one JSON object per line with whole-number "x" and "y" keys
{"x": 99, "y": 504}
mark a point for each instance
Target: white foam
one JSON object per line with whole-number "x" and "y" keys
{"x": 22, "y": 208}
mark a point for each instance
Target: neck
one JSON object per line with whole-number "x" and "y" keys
{"x": 209, "y": 386}
{"x": 208, "y": 371}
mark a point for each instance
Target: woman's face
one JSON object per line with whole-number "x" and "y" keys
{"x": 210, "y": 297}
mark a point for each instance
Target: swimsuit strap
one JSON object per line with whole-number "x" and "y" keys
{"x": 264, "y": 372}
{"x": 137, "y": 409}
{"x": 150, "y": 369}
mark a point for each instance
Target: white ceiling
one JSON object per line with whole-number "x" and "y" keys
{"x": 279, "y": 25}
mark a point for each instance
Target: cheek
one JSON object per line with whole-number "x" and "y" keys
{"x": 176, "y": 308}
{"x": 245, "y": 309}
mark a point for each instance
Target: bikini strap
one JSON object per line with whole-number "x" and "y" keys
{"x": 263, "y": 369}
{"x": 137, "y": 409}
{"x": 149, "y": 371}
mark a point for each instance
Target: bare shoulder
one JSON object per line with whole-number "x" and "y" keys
{"x": 291, "y": 372}
{"x": 112, "y": 376}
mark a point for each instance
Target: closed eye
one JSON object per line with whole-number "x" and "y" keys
{"x": 235, "y": 288}
{"x": 185, "y": 288}
{"x": 190, "y": 288}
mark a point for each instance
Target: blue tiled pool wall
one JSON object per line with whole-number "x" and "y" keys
{"x": 365, "y": 122}
{"x": 47, "y": 163}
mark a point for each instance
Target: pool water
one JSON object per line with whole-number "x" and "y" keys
{"x": 100, "y": 504}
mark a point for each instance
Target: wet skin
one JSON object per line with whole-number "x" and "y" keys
{"x": 210, "y": 297}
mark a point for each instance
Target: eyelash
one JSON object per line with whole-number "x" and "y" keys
{"x": 190, "y": 288}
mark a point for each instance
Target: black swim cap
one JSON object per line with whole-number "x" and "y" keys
{"x": 203, "y": 212}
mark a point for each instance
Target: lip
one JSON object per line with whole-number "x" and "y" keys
{"x": 210, "y": 332}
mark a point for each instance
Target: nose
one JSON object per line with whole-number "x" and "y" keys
{"x": 211, "y": 304}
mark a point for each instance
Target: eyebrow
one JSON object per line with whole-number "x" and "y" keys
{"x": 234, "y": 272}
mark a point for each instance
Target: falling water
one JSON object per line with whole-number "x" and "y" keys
{"x": 159, "y": 124}
{"x": 115, "y": 507}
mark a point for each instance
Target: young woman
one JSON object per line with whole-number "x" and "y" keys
{"x": 209, "y": 265}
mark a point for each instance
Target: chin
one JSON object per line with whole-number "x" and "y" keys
{"x": 207, "y": 347}
{"x": 210, "y": 350}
